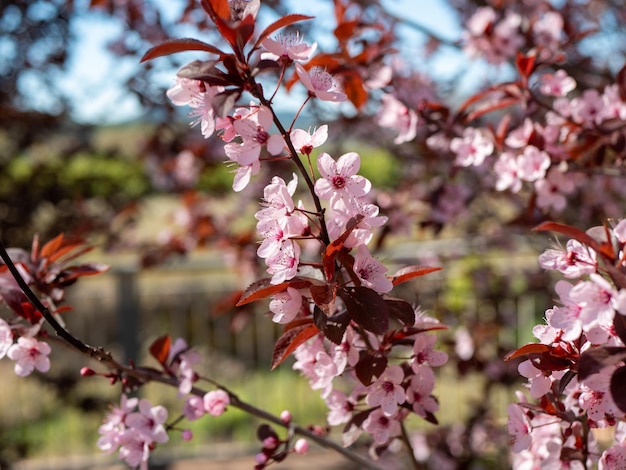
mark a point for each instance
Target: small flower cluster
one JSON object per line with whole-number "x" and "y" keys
{"x": 378, "y": 401}
{"x": 134, "y": 428}
{"x": 576, "y": 370}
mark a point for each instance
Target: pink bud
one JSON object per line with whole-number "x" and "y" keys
{"x": 87, "y": 372}
{"x": 187, "y": 435}
{"x": 270, "y": 443}
{"x": 301, "y": 446}
{"x": 261, "y": 458}
{"x": 285, "y": 417}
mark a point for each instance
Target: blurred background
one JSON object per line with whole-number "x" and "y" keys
{"x": 91, "y": 147}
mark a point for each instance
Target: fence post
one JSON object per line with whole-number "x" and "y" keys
{"x": 128, "y": 312}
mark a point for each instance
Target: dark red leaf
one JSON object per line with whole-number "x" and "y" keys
{"x": 223, "y": 102}
{"x": 353, "y": 87}
{"x": 205, "y": 71}
{"x": 160, "y": 349}
{"x": 618, "y": 385}
{"x": 619, "y": 325}
{"x": 594, "y": 360}
{"x": 333, "y": 249}
{"x": 410, "y": 272}
{"x": 357, "y": 419}
{"x": 263, "y": 288}
{"x": 332, "y": 327}
{"x": 620, "y": 80}
{"x": 53, "y": 245}
{"x": 525, "y": 64}
{"x": 173, "y": 46}
{"x": 577, "y": 234}
{"x": 245, "y": 30}
{"x": 74, "y": 272}
{"x": 278, "y": 24}
{"x": 17, "y": 301}
{"x": 324, "y": 297}
{"x": 367, "y": 308}
{"x": 401, "y": 310}
{"x": 264, "y": 431}
{"x": 290, "y": 340}
{"x": 532, "y": 348}
{"x": 369, "y": 368}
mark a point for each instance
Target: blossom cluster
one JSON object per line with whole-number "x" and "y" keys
{"x": 573, "y": 372}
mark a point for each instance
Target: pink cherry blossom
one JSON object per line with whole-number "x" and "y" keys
{"x": 304, "y": 142}
{"x": 418, "y": 394}
{"x": 539, "y": 382}
{"x": 340, "y": 408}
{"x": 556, "y": 84}
{"x": 424, "y": 354}
{"x": 343, "y": 213}
{"x": 395, "y": 115}
{"x": 194, "y": 408}
{"x": 473, "y": 147}
{"x": 148, "y": 422}
{"x": 283, "y": 265}
{"x": 381, "y": 427}
{"x": 29, "y": 354}
{"x": 112, "y": 429}
{"x": 216, "y": 401}
{"x": 575, "y": 261}
{"x": 320, "y": 84}
{"x": 370, "y": 271}
{"x": 6, "y": 338}
{"x": 286, "y": 305}
{"x": 519, "y": 427}
{"x": 507, "y": 172}
{"x": 552, "y": 190}
{"x": 199, "y": 97}
{"x": 339, "y": 179}
{"x": 288, "y": 47}
{"x": 613, "y": 458}
{"x": 533, "y": 163}
{"x": 387, "y": 391}
{"x": 595, "y": 396}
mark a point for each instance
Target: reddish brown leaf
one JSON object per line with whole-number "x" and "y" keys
{"x": 278, "y": 24}
{"x": 525, "y": 64}
{"x": 369, "y": 368}
{"x": 594, "y": 360}
{"x": 332, "y": 327}
{"x": 401, "y": 310}
{"x": 324, "y": 297}
{"x": 367, "y": 308}
{"x": 172, "y": 46}
{"x": 410, "y": 272}
{"x": 617, "y": 387}
{"x": 219, "y": 8}
{"x": 605, "y": 248}
{"x": 354, "y": 89}
{"x": 263, "y": 288}
{"x": 53, "y": 245}
{"x": 333, "y": 249}
{"x": 290, "y": 340}
{"x": 160, "y": 349}
{"x": 532, "y": 348}
{"x": 497, "y": 105}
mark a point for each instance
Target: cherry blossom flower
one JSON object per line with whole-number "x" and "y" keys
{"x": 199, "y": 97}
{"x": 6, "y": 338}
{"x": 539, "y": 382}
{"x": 304, "y": 142}
{"x": 339, "y": 179}
{"x": 216, "y": 401}
{"x": 556, "y": 84}
{"x": 519, "y": 427}
{"x": 114, "y": 425}
{"x": 343, "y": 213}
{"x": 194, "y": 408}
{"x": 370, "y": 271}
{"x": 595, "y": 397}
{"x": 387, "y": 391}
{"x": 575, "y": 261}
{"x": 148, "y": 422}
{"x": 29, "y": 354}
{"x": 551, "y": 191}
{"x": 395, "y": 115}
{"x": 320, "y": 84}
{"x": 507, "y": 172}
{"x": 613, "y": 458}
{"x": 288, "y": 47}
{"x": 340, "y": 408}
{"x": 418, "y": 394}
{"x": 381, "y": 427}
{"x": 533, "y": 163}
{"x": 424, "y": 354}
{"x": 286, "y": 305}
{"x": 284, "y": 264}
{"x": 473, "y": 147}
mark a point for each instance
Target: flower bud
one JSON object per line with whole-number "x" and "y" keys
{"x": 301, "y": 446}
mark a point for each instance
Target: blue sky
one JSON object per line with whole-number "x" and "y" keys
{"x": 94, "y": 76}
